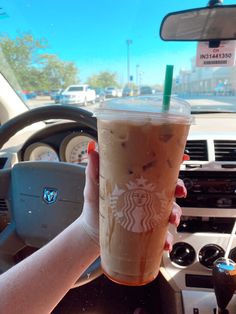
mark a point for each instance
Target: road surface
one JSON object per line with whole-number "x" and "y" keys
{"x": 218, "y": 103}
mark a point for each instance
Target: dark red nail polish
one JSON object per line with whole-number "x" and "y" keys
{"x": 180, "y": 191}
{"x": 91, "y": 147}
{"x": 186, "y": 157}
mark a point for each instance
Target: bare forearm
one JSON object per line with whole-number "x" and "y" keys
{"x": 39, "y": 282}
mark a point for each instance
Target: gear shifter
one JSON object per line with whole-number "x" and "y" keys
{"x": 224, "y": 277}
{"x": 224, "y": 282}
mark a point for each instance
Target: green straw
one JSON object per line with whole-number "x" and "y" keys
{"x": 167, "y": 88}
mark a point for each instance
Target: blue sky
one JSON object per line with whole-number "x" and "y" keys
{"x": 93, "y": 33}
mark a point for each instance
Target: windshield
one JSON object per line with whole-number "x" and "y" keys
{"x": 46, "y": 47}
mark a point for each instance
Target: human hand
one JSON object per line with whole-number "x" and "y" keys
{"x": 90, "y": 214}
{"x": 180, "y": 191}
{"x": 174, "y": 219}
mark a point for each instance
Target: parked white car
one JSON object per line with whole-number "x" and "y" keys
{"x": 78, "y": 94}
{"x": 112, "y": 92}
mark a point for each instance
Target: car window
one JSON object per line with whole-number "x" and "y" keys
{"x": 75, "y": 89}
{"x": 41, "y": 52}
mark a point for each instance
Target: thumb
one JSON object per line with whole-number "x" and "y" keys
{"x": 91, "y": 192}
{"x": 91, "y": 195}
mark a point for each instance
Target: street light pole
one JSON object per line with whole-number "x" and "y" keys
{"x": 137, "y": 75}
{"x": 141, "y": 78}
{"x": 128, "y": 42}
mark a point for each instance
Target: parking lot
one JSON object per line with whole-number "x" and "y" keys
{"x": 40, "y": 101}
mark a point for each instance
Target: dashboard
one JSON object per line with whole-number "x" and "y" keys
{"x": 65, "y": 142}
{"x": 209, "y": 211}
{"x": 208, "y": 218}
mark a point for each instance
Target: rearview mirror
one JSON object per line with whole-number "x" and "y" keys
{"x": 201, "y": 24}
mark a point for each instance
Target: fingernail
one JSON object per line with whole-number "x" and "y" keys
{"x": 186, "y": 157}
{"x": 180, "y": 191}
{"x": 177, "y": 220}
{"x": 168, "y": 247}
{"x": 91, "y": 147}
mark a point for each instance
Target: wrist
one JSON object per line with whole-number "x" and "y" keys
{"x": 90, "y": 232}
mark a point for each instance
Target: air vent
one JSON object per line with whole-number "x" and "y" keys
{"x": 3, "y": 205}
{"x": 197, "y": 149}
{"x": 225, "y": 150}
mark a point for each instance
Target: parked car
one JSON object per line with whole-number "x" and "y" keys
{"x": 223, "y": 89}
{"x": 54, "y": 93}
{"x": 127, "y": 91}
{"x": 111, "y": 92}
{"x": 145, "y": 90}
{"x": 29, "y": 94}
{"x": 100, "y": 94}
{"x": 57, "y": 96}
{"x": 78, "y": 94}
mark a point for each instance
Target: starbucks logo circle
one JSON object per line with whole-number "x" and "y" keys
{"x": 137, "y": 206}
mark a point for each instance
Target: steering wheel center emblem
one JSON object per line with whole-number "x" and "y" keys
{"x": 50, "y": 195}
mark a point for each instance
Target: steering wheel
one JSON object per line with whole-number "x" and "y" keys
{"x": 43, "y": 198}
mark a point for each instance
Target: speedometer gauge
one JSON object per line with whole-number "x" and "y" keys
{"x": 40, "y": 151}
{"x": 74, "y": 148}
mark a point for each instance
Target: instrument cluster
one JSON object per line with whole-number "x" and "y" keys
{"x": 73, "y": 149}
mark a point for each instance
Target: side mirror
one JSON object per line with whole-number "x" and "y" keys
{"x": 202, "y": 24}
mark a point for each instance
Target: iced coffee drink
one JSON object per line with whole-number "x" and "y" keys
{"x": 140, "y": 157}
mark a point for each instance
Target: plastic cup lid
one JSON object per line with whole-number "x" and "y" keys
{"x": 143, "y": 107}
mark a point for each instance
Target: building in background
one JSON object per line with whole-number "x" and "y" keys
{"x": 205, "y": 80}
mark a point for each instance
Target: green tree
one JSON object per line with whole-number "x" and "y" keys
{"x": 24, "y": 62}
{"x": 57, "y": 73}
{"x": 20, "y": 55}
{"x": 103, "y": 79}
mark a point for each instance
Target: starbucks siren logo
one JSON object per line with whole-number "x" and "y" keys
{"x": 133, "y": 206}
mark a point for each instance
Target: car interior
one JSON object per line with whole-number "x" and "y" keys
{"x": 184, "y": 284}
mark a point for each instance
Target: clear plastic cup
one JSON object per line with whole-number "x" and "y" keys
{"x": 141, "y": 149}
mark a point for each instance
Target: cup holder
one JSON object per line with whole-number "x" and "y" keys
{"x": 182, "y": 254}
{"x": 232, "y": 254}
{"x": 209, "y": 254}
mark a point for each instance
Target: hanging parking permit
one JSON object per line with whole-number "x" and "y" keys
{"x": 222, "y": 56}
